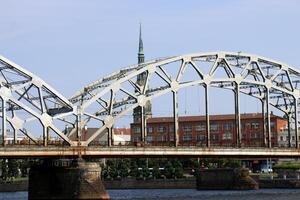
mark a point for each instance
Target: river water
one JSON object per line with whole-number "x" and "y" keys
{"x": 188, "y": 194}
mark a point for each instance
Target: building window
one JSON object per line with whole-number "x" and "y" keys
{"x": 200, "y": 137}
{"x": 255, "y": 125}
{"x": 171, "y": 128}
{"x": 254, "y": 143}
{"x": 227, "y": 136}
{"x": 244, "y": 135}
{"x": 248, "y": 125}
{"x": 293, "y": 138}
{"x": 281, "y": 138}
{"x": 150, "y": 129}
{"x": 171, "y": 138}
{"x": 254, "y": 135}
{"x": 135, "y": 139}
{"x": 272, "y": 124}
{"x": 227, "y": 126}
{"x": 272, "y": 134}
{"x": 214, "y": 127}
{"x": 161, "y": 129}
{"x": 214, "y": 136}
{"x": 187, "y": 137}
{"x": 200, "y": 127}
{"x": 136, "y": 129}
{"x": 187, "y": 128}
{"x": 149, "y": 138}
{"x": 161, "y": 138}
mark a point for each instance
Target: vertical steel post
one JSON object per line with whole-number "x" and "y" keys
{"x": 3, "y": 122}
{"x": 237, "y": 116}
{"x": 263, "y": 106}
{"x": 45, "y": 135}
{"x": 145, "y": 128}
{"x": 78, "y": 125}
{"x": 289, "y": 130}
{"x": 110, "y": 136}
{"x": 48, "y": 134}
{"x": 296, "y": 121}
{"x": 15, "y": 136}
{"x": 175, "y": 117}
{"x": 142, "y": 124}
{"x": 268, "y": 118}
{"x": 207, "y": 115}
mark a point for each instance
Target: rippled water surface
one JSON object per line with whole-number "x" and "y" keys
{"x": 189, "y": 194}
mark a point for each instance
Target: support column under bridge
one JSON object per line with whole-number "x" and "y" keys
{"x": 66, "y": 179}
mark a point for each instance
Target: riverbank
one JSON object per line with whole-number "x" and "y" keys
{"x": 128, "y": 183}
{"x": 186, "y": 183}
{"x": 14, "y": 186}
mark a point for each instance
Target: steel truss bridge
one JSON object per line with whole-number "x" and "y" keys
{"x": 28, "y": 103}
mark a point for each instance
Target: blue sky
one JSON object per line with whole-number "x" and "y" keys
{"x": 70, "y": 43}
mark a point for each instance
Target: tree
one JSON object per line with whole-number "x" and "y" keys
{"x": 178, "y": 170}
{"x": 4, "y": 167}
{"x": 156, "y": 172}
{"x": 146, "y": 172}
{"x": 113, "y": 172}
{"x": 13, "y": 168}
{"x": 124, "y": 168}
{"x": 169, "y": 170}
{"x": 233, "y": 163}
{"x": 133, "y": 170}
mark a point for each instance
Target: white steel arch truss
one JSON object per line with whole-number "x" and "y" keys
{"x": 26, "y": 98}
{"x": 272, "y": 82}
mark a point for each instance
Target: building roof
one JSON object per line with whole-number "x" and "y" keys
{"x": 90, "y": 131}
{"x": 211, "y": 117}
{"x": 122, "y": 131}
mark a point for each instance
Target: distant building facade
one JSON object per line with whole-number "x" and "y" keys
{"x": 192, "y": 130}
{"x": 121, "y": 136}
{"x": 284, "y": 137}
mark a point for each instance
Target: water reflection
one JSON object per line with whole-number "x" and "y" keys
{"x": 187, "y": 194}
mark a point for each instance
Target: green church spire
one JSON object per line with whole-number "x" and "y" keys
{"x": 141, "y": 80}
{"x": 141, "y": 56}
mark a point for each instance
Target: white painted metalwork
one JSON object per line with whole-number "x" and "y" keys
{"x": 274, "y": 83}
{"x": 25, "y": 98}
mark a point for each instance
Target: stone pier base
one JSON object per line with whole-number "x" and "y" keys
{"x": 223, "y": 179}
{"x": 66, "y": 179}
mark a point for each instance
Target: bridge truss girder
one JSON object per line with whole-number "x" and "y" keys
{"x": 26, "y": 98}
{"x": 108, "y": 99}
{"x": 273, "y": 83}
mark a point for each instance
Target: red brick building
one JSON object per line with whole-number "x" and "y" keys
{"x": 192, "y": 130}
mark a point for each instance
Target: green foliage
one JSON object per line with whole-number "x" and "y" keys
{"x": 145, "y": 172}
{"x": 232, "y": 163}
{"x": 124, "y": 167}
{"x": 173, "y": 167}
{"x": 169, "y": 170}
{"x": 13, "y": 168}
{"x": 156, "y": 172}
{"x": 113, "y": 172}
{"x": 105, "y": 173}
{"x": 289, "y": 165}
{"x": 133, "y": 170}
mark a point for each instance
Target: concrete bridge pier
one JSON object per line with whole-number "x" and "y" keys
{"x": 66, "y": 179}
{"x": 225, "y": 178}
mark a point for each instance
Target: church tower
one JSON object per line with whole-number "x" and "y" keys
{"x": 141, "y": 78}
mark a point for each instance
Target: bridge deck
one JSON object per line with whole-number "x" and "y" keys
{"x": 146, "y": 152}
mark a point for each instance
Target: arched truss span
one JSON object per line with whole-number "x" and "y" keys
{"x": 27, "y": 98}
{"x": 274, "y": 83}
